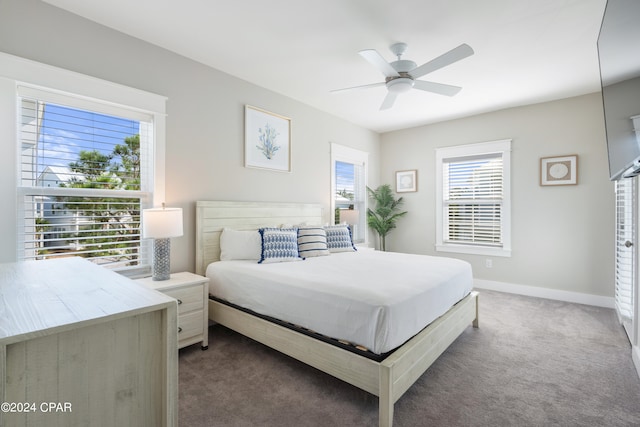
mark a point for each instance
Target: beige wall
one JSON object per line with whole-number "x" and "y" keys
{"x": 205, "y": 123}
{"x": 562, "y": 237}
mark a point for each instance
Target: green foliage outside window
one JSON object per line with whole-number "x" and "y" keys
{"x": 110, "y": 226}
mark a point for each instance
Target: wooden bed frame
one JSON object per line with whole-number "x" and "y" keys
{"x": 388, "y": 379}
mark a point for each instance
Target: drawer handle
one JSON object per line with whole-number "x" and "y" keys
{"x": 179, "y": 329}
{"x": 179, "y": 301}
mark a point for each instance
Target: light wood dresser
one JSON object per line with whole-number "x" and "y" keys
{"x": 81, "y": 345}
{"x": 191, "y": 291}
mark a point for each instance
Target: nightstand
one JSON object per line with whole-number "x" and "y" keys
{"x": 191, "y": 291}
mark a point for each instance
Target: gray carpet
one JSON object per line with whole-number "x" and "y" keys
{"x": 533, "y": 362}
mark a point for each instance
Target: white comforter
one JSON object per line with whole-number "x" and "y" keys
{"x": 374, "y": 299}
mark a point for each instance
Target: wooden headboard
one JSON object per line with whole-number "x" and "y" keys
{"x": 213, "y": 216}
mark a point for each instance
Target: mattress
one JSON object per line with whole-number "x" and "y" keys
{"x": 374, "y": 299}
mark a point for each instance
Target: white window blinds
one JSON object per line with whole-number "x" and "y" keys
{"x": 473, "y": 194}
{"x": 85, "y": 172}
{"x": 625, "y": 249}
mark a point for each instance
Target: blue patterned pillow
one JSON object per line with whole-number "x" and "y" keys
{"x": 339, "y": 238}
{"x": 312, "y": 241}
{"x": 279, "y": 245}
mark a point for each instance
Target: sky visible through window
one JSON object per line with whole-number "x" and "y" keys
{"x": 345, "y": 177}
{"x": 66, "y": 131}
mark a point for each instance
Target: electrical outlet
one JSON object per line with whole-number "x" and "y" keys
{"x": 488, "y": 263}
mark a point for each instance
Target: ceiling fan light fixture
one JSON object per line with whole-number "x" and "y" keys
{"x": 400, "y": 85}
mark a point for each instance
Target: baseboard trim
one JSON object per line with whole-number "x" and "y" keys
{"x": 635, "y": 355}
{"x": 555, "y": 294}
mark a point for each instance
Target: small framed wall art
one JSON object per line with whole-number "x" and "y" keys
{"x": 406, "y": 181}
{"x": 267, "y": 140}
{"x": 560, "y": 170}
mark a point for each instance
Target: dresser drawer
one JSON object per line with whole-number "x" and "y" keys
{"x": 189, "y": 299}
{"x": 190, "y": 325}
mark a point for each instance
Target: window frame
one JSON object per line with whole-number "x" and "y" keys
{"x": 341, "y": 153}
{"x": 501, "y": 147}
{"x": 23, "y": 74}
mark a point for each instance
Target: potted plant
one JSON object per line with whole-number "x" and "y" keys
{"x": 387, "y": 211}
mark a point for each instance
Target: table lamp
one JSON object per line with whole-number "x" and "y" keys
{"x": 161, "y": 224}
{"x": 350, "y": 217}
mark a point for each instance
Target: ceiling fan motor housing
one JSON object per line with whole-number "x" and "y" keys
{"x": 404, "y": 82}
{"x": 403, "y": 65}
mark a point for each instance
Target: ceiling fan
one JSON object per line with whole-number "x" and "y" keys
{"x": 401, "y": 75}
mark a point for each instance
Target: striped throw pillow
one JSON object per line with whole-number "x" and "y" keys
{"x": 312, "y": 241}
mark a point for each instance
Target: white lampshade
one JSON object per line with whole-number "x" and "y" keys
{"x": 161, "y": 223}
{"x": 349, "y": 216}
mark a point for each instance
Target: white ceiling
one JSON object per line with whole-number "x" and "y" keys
{"x": 525, "y": 51}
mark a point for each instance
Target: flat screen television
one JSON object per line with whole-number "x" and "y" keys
{"x": 619, "y": 57}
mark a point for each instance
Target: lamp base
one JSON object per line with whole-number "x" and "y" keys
{"x": 161, "y": 259}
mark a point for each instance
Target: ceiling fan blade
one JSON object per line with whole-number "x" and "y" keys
{"x": 455, "y": 54}
{"x": 358, "y": 87}
{"x": 375, "y": 59}
{"x": 389, "y": 100}
{"x": 438, "y": 88}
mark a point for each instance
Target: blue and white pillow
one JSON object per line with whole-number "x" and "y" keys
{"x": 312, "y": 241}
{"x": 339, "y": 238}
{"x": 279, "y": 245}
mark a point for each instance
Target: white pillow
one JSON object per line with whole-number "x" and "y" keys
{"x": 240, "y": 244}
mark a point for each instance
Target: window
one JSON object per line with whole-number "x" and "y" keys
{"x": 84, "y": 178}
{"x": 35, "y": 96}
{"x": 473, "y": 199}
{"x": 625, "y": 258}
{"x": 349, "y": 189}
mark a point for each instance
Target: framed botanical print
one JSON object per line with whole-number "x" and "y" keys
{"x": 267, "y": 140}
{"x": 561, "y": 170}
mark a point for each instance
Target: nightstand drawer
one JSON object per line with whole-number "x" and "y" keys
{"x": 189, "y": 299}
{"x": 190, "y": 325}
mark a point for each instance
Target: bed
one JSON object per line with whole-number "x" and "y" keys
{"x": 383, "y": 367}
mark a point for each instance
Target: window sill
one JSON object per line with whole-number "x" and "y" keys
{"x": 136, "y": 272}
{"x": 473, "y": 250}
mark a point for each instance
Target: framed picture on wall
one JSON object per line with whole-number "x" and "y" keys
{"x": 267, "y": 140}
{"x": 406, "y": 181}
{"x": 561, "y": 170}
